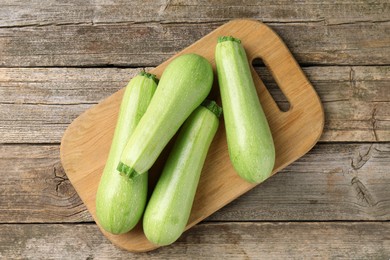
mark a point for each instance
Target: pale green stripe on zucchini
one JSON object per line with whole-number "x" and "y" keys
{"x": 250, "y": 143}
{"x": 169, "y": 207}
{"x": 120, "y": 201}
{"x": 184, "y": 84}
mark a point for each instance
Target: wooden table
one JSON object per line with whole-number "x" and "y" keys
{"x": 60, "y": 58}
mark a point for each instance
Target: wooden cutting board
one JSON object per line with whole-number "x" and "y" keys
{"x": 86, "y": 142}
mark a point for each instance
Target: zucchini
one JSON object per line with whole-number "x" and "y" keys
{"x": 169, "y": 207}
{"x": 120, "y": 201}
{"x": 250, "y": 143}
{"x": 184, "y": 84}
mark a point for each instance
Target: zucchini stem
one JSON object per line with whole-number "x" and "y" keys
{"x": 213, "y": 107}
{"x": 126, "y": 170}
{"x": 228, "y": 38}
{"x": 149, "y": 75}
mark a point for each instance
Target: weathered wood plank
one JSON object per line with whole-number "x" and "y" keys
{"x": 61, "y": 86}
{"x": 356, "y": 101}
{"x": 140, "y": 44}
{"x": 216, "y": 240}
{"x": 34, "y": 187}
{"x": 45, "y": 12}
{"x": 331, "y": 182}
{"x": 36, "y": 105}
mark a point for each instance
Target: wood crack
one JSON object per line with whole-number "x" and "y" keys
{"x": 336, "y": 100}
{"x": 374, "y": 123}
{"x": 361, "y": 159}
{"x": 352, "y": 79}
{"x": 60, "y": 178}
{"x": 47, "y": 103}
{"x": 298, "y": 22}
{"x": 44, "y": 25}
{"x": 362, "y": 192}
{"x": 357, "y": 22}
{"x": 167, "y": 5}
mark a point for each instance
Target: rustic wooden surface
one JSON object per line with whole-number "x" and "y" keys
{"x": 58, "y": 59}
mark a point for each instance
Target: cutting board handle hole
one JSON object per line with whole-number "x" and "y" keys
{"x": 273, "y": 88}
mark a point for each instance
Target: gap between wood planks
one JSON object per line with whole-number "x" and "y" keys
{"x": 141, "y": 66}
{"x": 270, "y": 22}
{"x": 207, "y": 222}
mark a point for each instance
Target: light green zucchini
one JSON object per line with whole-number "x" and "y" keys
{"x": 184, "y": 84}
{"x": 120, "y": 201}
{"x": 250, "y": 143}
{"x": 169, "y": 207}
